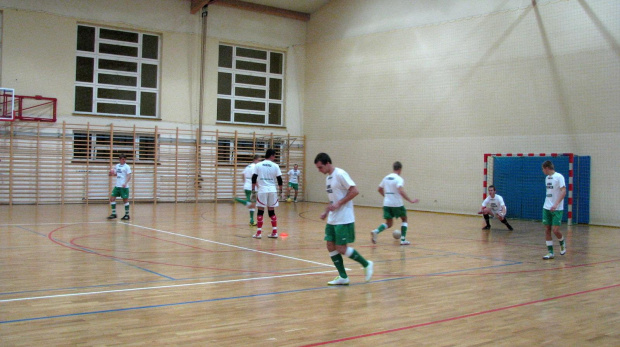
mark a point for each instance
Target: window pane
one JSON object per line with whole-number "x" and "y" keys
{"x": 85, "y": 68}
{"x": 275, "y": 114}
{"x": 148, "y": 104}
{"x": 81, "y": 145}
{"x": 150, "y": 47}
{"x": 223, "y": 110}
{"x": 250, "y": 92}
{"x": 275, "y": 89}
{"x": 107, "y": 48}
{"x": 224, "y": 83}
{"x": 117, "y": 65}
{"x": 247, "y": 79}
{"x": 118, "y": 80}
{"x": 249, "y": 105}
{"x": 105, "y": 93}
{"x": 118, "y": 35}
{"x": 251, "y": 53}
{"x": 275, "y": 63}
{"x": 251, "y": 66}
{"x": 250, "y": 118}
{"x": 84, "y": 99}
{"x": 116, "y": 109}
{"x": 225, "y": 58}
{"x": 146, "y": 149}
{"x": 86, "y": 39}
{"x": 149, "y": 76}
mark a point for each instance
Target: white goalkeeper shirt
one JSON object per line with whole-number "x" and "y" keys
{"x": 554, "y": 184}
{"x": 494, "y": 204}
{"x": 122, "y": 171}
{"x": 267, "y": 179}
{"x": 337, "y": 185}
{"x": 293, "y": 176}
{"x": 391, "y": 195}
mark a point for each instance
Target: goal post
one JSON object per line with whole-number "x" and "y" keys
{"x": 518, "y": 178}
{"x": 7, "y": 104}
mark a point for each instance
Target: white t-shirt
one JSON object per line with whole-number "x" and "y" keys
{"x": 293, "y": 176}
{"x": 337, "y": 185}
{"x": 122, "y": 171}
{"x": 267, "y": 172}
{"x": 554, "y": 184}
{"x": 494, "y": 204}
{"x": 248, "y": 172}
{"x": 391, "y": 195}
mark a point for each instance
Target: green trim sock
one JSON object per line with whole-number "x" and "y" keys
{"x": 337, "y": 259}
{"x": 127, "y": 208}
{"x": 381, "y": 228}
{"x": 403, "y": 231}
{"x": 251, "y": 215}
{"x": 550, "y": 246}
{"x": 113, "y": 206}
{"x": 353, "y": 254}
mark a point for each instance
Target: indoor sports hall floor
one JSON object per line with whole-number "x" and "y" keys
{"x": 192, "y": 275}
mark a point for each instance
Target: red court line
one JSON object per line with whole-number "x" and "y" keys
{"x": 461, "y": 317}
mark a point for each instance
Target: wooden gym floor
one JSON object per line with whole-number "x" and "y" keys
{"x": 192, "y": 275}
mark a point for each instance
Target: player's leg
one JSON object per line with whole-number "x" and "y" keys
{"x": 296, "y": 189}
{"x": 113, "y": 203}
{"x": 274, "y": 223}
{"x": 485, "y": 214}
{"x": 403, "y": 228}
{"x": 345, "y": 234}
{"x": 502, "y": 218}
{"x": 547, "y": 221}
{"x": 330, "y": 238}
{"x": 557, "y": 221}
{"x": 259, "y": 222}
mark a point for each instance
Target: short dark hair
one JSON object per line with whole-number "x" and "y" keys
{"x": 492, "y": 186}
{"x": 256, "y": 156}
{"x": 548, "y": 164}
{"x": 323, "y": 158}
{"x": 122, "y": 155}
{"x": 270, "y": 152}
{"x": 397, "y": 165}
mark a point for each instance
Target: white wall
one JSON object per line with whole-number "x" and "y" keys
{"x": 436, "y": 85}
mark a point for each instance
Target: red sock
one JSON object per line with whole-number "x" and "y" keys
{"x": 259, "y": 223}
{"x": 274, "y": 223}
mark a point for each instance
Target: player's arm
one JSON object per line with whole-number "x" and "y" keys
{"x": 381, "y": 191}
{"x": 351, "y": 193}
{"x": 559, "y": 199}
{"x": 401, "y": 190}
{"x": 280, "y": 183}
{"x": 254, "y": 179}
{"x": 128, "y": 179}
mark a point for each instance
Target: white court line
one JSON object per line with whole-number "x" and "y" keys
{"x": 229, "y": 245}
{"x": 161, "y": 287}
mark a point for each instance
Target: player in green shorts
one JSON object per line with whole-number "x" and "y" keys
{"x": 122, "y": 171}
{"x": 553, "y": 209}
{"x": 293, "y": 182}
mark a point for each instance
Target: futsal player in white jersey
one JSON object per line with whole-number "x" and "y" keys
{"x": 122, "y": 171}
{"x": 266, "y": 176}
{"x": 494, "y": 205}
{"x": 391, "y": 188}
{"x": 340, "y": 227}
{"x": 247, "y": 174}
{"x": 553, "y": 209}
{"x": 293, "y": 182}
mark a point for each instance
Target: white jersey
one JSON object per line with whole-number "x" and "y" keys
{"x": 293, "y": 176}
{"x": 248, "y": 172}
{"x": 494, "y": 204}
{"x": 337, "y": 185}
{"x": 122, "y": 171}
{"x": 268, "y": 173}
{"x": 554, "y": 184}
{"x": 391, "y": 195}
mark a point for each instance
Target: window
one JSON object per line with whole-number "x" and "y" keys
{"x": 117, "y": 72}
{"x": 244, "y": 149}
{"x": 250, "y": 87}
{"x": 95, "y": 146}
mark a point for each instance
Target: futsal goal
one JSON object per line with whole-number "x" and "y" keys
{"x": 519, "y": 179}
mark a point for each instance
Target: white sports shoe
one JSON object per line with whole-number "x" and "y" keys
{"x": 339, "y": 281}
{"x": 548, "y": 256}
{"x": 368, "y": 270}
{"x": 373, "y": 236}
{"x": 273, "y": 235}
{"x": 257, "y": 236}
{"x": 563, "y": 248}
{"x": 404, "y": 242}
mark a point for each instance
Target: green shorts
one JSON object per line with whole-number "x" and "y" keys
{"x": 294, "y": 185}
{"x": 394, "y": 212}
{"x": 122, "y": 192}
{"x": 552, "y": 217}
{"x": 340, "y": 234}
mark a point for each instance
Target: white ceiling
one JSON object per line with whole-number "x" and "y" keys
{"x": 305, "y": 6}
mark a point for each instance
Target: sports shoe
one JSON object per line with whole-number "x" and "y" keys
{"x": 563, "y": 249}
{"x": 510, "y": 228}
{"x": 125, "y": 217}
{"x": 257, "y": 236}
{"x": 273, "y": 235}
{"x": 486, "y": 227}
{"x": 373, "y": 236}
{"x": 549, "y": 256}
{"x": 252, "y": 223}
{"x": 112, "y": 216}
{"x": 404, "y": 242}
{"x": 368, "y": 270}
{"x": 339, "y": 281}
{"x": 295, "y": 201}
